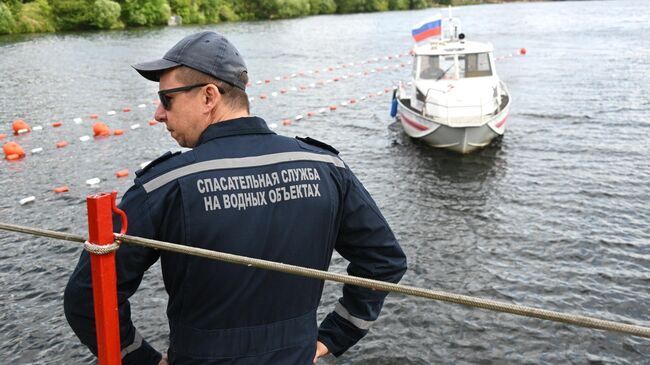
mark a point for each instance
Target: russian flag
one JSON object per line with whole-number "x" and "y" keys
{"x": 430, "y": 27}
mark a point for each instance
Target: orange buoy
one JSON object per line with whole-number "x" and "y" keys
{"x": 522, "y": 51}
{"x": 56, "y": 124}
{"x": 267, "y": 81}
{"x": 19, "y": 125}
{"x": 352, "y": 101}
{"x": 61, "y": 189}
{"x": 94, "y": 116}
{"x": 286, "y": 122}
{"x": 122, "y": 173}
{"x": 332, "y": 107}
{"x": 13, "y": 148}
{"x": 262, "y": 96}
{"x": 61, "y": 144}
{"x": 118, "y": 132}
{"x": 2, "y": 136}
{"x": 310, "y": 114}
{"x": 100, "y": 130}
{"x": 153, "y": 122}
{"x": 283, "y": 91}
{"x": 126, "y": 110}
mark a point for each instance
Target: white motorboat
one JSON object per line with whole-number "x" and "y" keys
{"x": 455, "y": 99}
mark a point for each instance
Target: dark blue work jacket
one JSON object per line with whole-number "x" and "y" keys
{"x": 247, "y": 191}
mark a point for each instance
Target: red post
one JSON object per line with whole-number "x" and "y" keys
{"x": 100, "y": 232}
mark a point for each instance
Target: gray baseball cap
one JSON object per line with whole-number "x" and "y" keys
{"x": 207, "y": 52}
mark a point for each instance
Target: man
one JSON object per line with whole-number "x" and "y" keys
{"x": 242, "y": 189}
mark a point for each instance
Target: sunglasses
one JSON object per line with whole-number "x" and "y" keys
{"x": 166, "y": 101}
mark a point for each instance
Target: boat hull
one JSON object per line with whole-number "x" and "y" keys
{"x": 458, "y": 139}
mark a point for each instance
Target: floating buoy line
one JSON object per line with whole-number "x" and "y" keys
{"x": 14, "y": 152}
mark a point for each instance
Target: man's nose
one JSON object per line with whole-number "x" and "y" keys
{"x": 160, "y": 114}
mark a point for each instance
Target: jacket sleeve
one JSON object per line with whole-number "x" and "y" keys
{"x": 131, "y": 262}
{"x": 367, "y": 242}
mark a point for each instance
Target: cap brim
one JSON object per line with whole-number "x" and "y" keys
{"x": 153, "y": 69}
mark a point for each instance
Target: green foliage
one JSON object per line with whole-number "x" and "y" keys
{"x": 71, "y": 14}
{"x": 322, "y": 7}
{"x": 26, "y": 16}
{"x": 105, "y": 14}
{"x": 145, "y": 12}
{"x": 36, "y": 17}
{"x": 7, "y": 22}
{"x": 226, "y": 13}
{"x": 420, "y": 4}
{"x": 210, "y": 10}
{"x": 359, "y": 6}
{"x": 14, "y": 6}
{"x": 399, "y": 4}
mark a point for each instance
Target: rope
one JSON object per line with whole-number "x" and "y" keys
{"x": 493, "y": 305}
{"x": 101, "y": 249}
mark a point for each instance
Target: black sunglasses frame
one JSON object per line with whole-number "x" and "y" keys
{"x": 166, "y": 101}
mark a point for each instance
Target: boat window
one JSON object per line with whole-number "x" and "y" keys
{"x": 429, "y": 67}
{"x": 474, "y": 65}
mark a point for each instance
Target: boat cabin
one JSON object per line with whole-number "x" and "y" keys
{"x": 455, "y": 80}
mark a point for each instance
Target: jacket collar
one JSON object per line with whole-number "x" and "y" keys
{"x": 234, "y": 127}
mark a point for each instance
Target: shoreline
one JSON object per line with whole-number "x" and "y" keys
{"x": 64, "y": 16}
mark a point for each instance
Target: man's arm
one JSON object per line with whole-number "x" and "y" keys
{"x": 131, "y": 262}
{"x": 366, "y": 240}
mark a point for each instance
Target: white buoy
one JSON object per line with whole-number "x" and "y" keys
{"x": 251, "y": 98}
{"x": 37, "y": 128}
{"x": 93, "y": 181}
{"x": 274, "y": 94}
{"x": 135, "y": 126}
{"x": 29, "y": 199}
{"x": 23, "y": 131}
{"x": 277, "y": 78}
{"x": 322, "y": 110}
{"x": 111, "y": 112}
{"x": 273, "y": 125}
{"x": 37, "y": 150}
{"x": 312, "y": 85}
{"x": 78, "y": 120}
{"x": 298, "y": 117}
{"x": 84, "y": 138}
{"x": 142, "y": 105}
{"x": 344, "y": 103}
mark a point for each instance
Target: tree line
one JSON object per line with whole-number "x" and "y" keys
{"x": 35, "y": 16}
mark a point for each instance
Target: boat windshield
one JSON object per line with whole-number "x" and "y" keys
{"x": 437, "y": 67}
{"x": 474, "y": 65}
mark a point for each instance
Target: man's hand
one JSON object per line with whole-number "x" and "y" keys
{"x": 321, "y": 351}
{"x": 163, "y": 361}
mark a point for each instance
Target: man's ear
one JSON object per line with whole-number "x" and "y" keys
{"x": 211, "y": 96}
